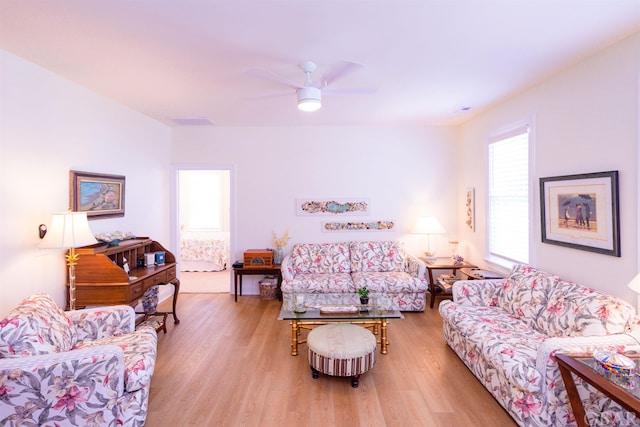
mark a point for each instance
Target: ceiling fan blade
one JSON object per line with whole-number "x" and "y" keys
{"x": 350, "y": 91}
{"x": 267, "y": 75}
{"x": 340, "y": 70}
{"x": 270, "y": 96}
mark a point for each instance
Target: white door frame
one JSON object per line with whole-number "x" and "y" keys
{"x": 174, "y": 217}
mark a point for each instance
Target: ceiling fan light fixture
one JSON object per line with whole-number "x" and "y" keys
{"x": 309, "y": 98}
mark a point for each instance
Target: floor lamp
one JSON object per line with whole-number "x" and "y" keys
{"x": 69, "y": 230}
{"x": 428, "y": 225}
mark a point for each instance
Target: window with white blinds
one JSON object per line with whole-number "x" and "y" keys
{"x": 508, "y": 216}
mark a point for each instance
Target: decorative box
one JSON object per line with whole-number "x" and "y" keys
{"x": 258, "y": 258}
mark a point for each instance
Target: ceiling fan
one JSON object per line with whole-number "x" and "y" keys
{"x": 309, "y": 93}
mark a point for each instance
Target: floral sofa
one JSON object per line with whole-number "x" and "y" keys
{"x": 78, "y": 368}
{"x": 507, "y": 331}
{"x": 383, "y": 267}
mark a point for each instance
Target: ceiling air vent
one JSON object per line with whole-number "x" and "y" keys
{"x": 192, "y": 121}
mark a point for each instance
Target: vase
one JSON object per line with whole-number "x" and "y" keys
{"x": 278, "y": 254}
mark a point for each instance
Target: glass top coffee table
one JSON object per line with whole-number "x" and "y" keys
{"x": 625, "y": 390}
{"x": 307, "y": 310}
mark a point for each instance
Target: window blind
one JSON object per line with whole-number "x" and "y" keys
{"x": 508, "y": 216}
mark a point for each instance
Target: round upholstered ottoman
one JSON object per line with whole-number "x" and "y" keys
{"x": 341, "y": 350}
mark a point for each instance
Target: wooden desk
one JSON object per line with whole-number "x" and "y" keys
{"x": 101, "y": 279}
{"x": 238, "y": 272}
{"x": 442, "y": 264}
{"x": 571, "y": 364}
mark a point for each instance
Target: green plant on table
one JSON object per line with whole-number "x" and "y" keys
{"x": 363, "y": 292}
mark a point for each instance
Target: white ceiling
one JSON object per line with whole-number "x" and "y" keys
{"x": 427, "y": 59}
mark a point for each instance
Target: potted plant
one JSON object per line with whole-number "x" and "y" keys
{"x": 364, "y": 295}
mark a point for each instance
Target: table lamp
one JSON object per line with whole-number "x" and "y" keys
{"x": 634, "y": 285}
{"x": 428, "y": 225}
{"x": 69, "y": 230}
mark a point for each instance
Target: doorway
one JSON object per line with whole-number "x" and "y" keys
{"x": 202, "y": 227}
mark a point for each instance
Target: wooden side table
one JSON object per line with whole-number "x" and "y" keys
{"x": 238, "y": 272}
{"x": 442, "y": 264}
{"x": 582, "y": 366}
{"x": 480, "y": 274}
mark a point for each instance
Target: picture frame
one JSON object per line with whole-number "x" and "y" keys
{"x": 99, "y": 195}
{"x": 582, "y": 212}
{"x": 470, "y": 205}
{"x": 381, "y": 225}
{"x": 337, "y": 206}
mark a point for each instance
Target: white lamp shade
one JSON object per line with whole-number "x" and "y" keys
{"x": 428, "y": 225}
{"x": 68, "y": 230}
{"x": 634, "y": 284}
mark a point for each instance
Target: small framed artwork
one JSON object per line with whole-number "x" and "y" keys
{"x": 99, "y": 195}
{"x": 470, "y": 205}
{"x": 581, "y": 212}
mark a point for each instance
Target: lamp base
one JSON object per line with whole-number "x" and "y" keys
{"x": 430, "y": 256}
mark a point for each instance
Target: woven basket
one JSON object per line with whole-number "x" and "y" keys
{"x": 268, "y": 291}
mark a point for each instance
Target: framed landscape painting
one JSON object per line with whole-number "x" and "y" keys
{"x": 581, "y": 212}
{"x": 99, "y": 195}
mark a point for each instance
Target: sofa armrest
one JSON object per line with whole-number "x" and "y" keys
{"x": 628, "y": 342}
{"x": 102, "y": 322}
{"x": 477, "y": 292}
{"x": 83, "y": 383}
{"x": 286, "y": 268}
{"x": 415, "y": 266}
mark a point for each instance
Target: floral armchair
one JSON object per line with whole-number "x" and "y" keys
{"x": 78, "y": 368}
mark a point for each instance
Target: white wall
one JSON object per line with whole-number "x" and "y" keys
{"x": 49, "y": 126}
{"x": 586, "y": 120}
{"x": 404, "y": 171}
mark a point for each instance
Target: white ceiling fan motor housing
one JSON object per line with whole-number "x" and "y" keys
{"x": 309, "y": 98}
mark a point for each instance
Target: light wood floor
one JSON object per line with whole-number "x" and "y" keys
{"x": 229, "y": 364}
{"x": 205, "y": 282}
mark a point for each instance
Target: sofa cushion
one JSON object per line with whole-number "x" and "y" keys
{"x": 388, "y": 282}
{"x": 377, "y": 256}
{"x": 501, "y": 340}
{"x": 525, "y": 292}
{"x": 319, "y": 283}
{"x": 139, "y": 349}
{"x": 575, "y": 310}
{"x": 320, "y": 258}
{"x": 36, "y": 326}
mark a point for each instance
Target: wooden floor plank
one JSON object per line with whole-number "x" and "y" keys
{"x": 230, "y": 364}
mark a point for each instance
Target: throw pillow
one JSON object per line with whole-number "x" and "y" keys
{"x": 525, "y": 292}
{"x": 36, "y": 326}
{"x": 575, "y": 310}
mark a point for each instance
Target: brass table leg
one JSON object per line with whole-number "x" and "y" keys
{"x": 383, "y": 336}
{"x": 295, "y": 332}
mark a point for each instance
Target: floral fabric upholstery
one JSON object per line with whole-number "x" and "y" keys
{"x": 525, "y": 292}
{"x": 323, "y": 258}
{"x": 376, "y": 256}
{"x": 384, "y": 267}
{"x": 319, "y": 283}
{"x": 597, "y": 314}
{"x": 36, "y": 326}
{"x": 103, "y": 380}
{"x": 392, "y": 281}
{"x": 512, "y": 354}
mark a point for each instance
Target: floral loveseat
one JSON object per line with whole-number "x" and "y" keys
{"x": 507, "y": 331}
{"x": 383, "y": 266}
{"x": 78, "y": 368}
